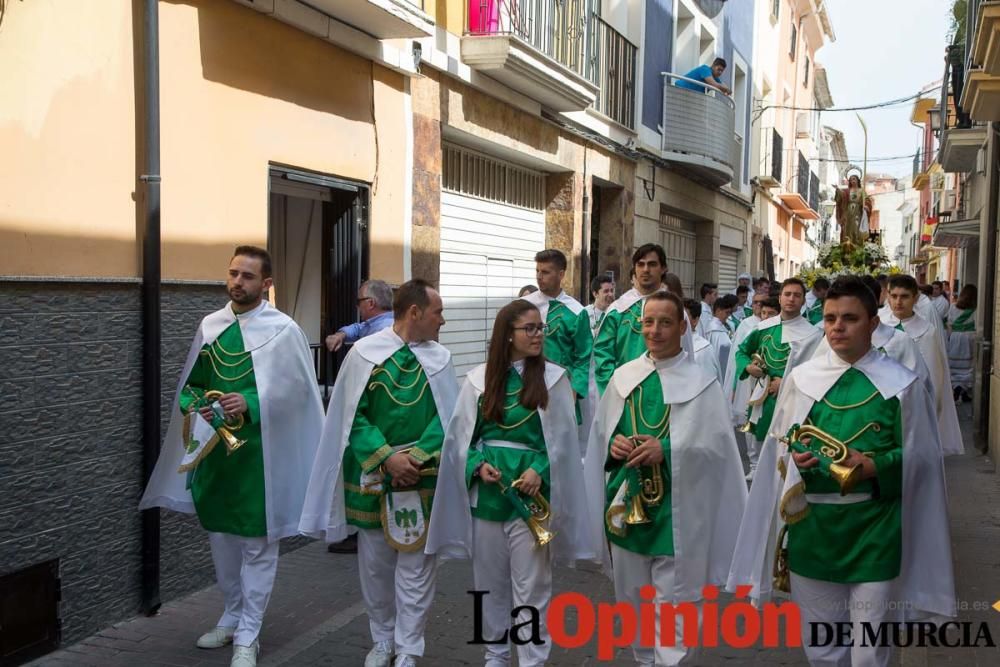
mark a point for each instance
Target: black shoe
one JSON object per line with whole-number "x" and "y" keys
{"x": 956, "y": 394}
{"x": 348, "y": 546}
{"x": 966, "y": 397}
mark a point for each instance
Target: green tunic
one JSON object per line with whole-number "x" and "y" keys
{"x": 861, "y": 541}
{"x": 569, "y": 342}
{"x": 766, "y": 343}
{"x": 652, "y": 417}
{"x": 396, "y": 408}
{"x": 618, "y": 342}
{"x": 815, "y": 314}
{"x": 228, "y": 489}
{"x": 965, "y": 322}
{"x": 520, "y": 425}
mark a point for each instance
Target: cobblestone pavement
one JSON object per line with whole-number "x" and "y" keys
{"x": 316, "y": 617}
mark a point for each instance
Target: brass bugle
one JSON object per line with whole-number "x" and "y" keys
{"x": 757, "y": 360}
{"x": 540, "y": 511}
{"x": 231, "y": 424}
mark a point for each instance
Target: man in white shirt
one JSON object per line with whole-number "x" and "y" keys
{"x": 709, "y": 293}
{"x": 602, "y": 294}
{"x": 940, "y": 300}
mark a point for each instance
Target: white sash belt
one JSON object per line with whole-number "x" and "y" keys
{"x": 837, "y": 499}
{"x": 507, "y": 444}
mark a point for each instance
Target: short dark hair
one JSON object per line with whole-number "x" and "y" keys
{"x": 938, "y": 284}
{"x": 852, "y": 286}
{"x": 821, "y": 283}
{"x": 761, "y": 281}
{"x": 720, "y": 61}
{"x": 793, "y": 281}
{"x": 903, "y": 281}
{"x": 926, "y": 290}
{"x": 647, "y": 248}
{"x": 411, "y": 293}
{"x": 693, "y": 307}
{"x": 665, "y": 296}
{"x": 552, "y": 256}
{"x": 706, "y": 288}
{"x": 257, "y": 253}
{"x": 742, "y": 289}
{"x": 882, "y": 279}
{"x": 874, "y": 285}
{"x": 771, "y": 302}
{"x": 723, "y": 302}
{"x": 598, "y": 282}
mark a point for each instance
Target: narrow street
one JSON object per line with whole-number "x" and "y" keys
{"x": 316, "y": 616}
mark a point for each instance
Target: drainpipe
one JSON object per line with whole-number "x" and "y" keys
{"x": 151, "y": 394}
{"x": 987, "y": 293}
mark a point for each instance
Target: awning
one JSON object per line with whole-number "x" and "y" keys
{"x": 798, "y": 205}
{"x": 956, "y": 233}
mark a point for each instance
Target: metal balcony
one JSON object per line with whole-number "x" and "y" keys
{"x": 698, "y": 130}
{"x": 611, "y": 65}
{"x": 383, "y": 19}
{"x": 537, "y": 47}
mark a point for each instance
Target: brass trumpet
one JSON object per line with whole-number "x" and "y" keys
{"x": 782, "y": 579}
{"x": 756, "y": 360}
{"x": 534, "y": 511}
{"x": 229, "y": 424}
{"x": 648, "y": 488}
{"x": 649, "y": 492}
{"x": 831, "y": 454}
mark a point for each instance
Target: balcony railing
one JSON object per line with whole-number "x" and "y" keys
{"x": 698, "y": 128}
{"x": 611, "y": 66}
{"x": 802, "y": 177}
{"x": 813, "y": 191}
{"x": 556, "y": 28}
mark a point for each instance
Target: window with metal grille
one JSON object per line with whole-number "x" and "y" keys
{"x": 678, "y": 238}
{"x": 478, "y": 175}
{"x": 791, "y": 48}
{"x": 775, "y": 9}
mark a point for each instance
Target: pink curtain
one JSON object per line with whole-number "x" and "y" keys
{"x": 484, "y": 16}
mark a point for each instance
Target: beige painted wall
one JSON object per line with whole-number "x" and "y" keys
{"x": 67, "y": 139}
{"x": 238, "y": 91}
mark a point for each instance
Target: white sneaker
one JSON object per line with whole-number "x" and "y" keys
{"x": 245, "y": 656}
{"x": 216, "y": 637}
{"x": 380, "y": 655}
{"x": 403, "y": 660}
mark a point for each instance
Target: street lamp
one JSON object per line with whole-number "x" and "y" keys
{"x": 935, "y": 118}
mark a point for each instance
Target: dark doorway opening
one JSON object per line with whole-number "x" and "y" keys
{"x": 318, "y": 238}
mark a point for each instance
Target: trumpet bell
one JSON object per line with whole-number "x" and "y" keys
{"x": 637, "y": 512}
{"x": 542, "y": 534}
{"x": 846, "y": 477}
{"x": 232, "y": 442}
{"x": 746, "y": 427}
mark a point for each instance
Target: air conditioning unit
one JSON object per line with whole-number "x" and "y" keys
{"x": 948, "y": 202}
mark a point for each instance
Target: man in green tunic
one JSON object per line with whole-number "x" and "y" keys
{"x": 375, "y": 471}
{"x": 813, "y": 310}
{"x": 782, "y": 342}
{"x": 568, "y": 338}
{"x": 620, "y": 337}
{"x": 248, "y": 386}
{"x": 878, "y": 551}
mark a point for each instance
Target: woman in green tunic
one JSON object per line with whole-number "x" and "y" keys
{"x": 962, "y": 342}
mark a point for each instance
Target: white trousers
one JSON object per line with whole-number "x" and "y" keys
{"x": 244, "y": 570}
{"x": 398, "y": 589}
{"x": 827, "y": 602}
{"x": 632, "y": 571}
{"x": 508, "y": 563}
{"x": 753, "y": 449}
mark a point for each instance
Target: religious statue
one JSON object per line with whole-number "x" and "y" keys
{"x": 854, "y": 207}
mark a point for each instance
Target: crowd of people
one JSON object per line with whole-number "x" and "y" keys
{"x": 613, "y": 433}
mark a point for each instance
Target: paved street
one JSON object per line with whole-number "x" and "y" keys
{"x": 316, "y": 617}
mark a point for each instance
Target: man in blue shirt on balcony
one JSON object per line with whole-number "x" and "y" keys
{"x": 710, "y": 75}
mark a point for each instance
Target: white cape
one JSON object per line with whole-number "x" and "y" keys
{"x": 931, "y": 345}
{"x": 717, "y": 334}
{"x": 541, "y": 301}
{"x": 291, "y": 416}
{"x": 897, "y": 346}
{"x": 708, "y": 491}
{"x": 737, "y": 392}
{"x": 801, "y": 337}
{"x": 705, "y": 356}
{"x": 628, "y": 299}
{"x": 450, "y": 533}
{"x": 926, "y": 579}
{"x": 323, "y": 515}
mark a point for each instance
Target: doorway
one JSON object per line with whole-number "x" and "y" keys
{"x": 317, "y": 237}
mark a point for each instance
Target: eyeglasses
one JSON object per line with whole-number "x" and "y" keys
{"x": 533, "y": 329}
{"x": 363, "y": 298}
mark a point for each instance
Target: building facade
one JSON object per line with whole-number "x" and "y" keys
{"x": 792, "y": 88}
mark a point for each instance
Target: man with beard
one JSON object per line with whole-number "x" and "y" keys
{"x": 249, "y": 373}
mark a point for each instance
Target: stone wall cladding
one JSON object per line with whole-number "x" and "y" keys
{"x": 71, "y": 442}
